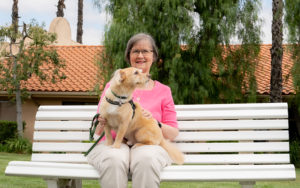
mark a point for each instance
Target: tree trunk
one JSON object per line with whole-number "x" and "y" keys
{"x": 15, "y": 20}
{"x": 276, "y": 53}
{"x": 19, "y": 111}
{"x": 80, "y": 22}
{"x": 15, "y": 24}
{"x": 60, "y": 8}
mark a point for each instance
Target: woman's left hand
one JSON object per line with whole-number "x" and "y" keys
{"x": 146, "y": 113}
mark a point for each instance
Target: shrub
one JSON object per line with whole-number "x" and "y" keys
{"x": 295, "y": 152}
{"x": 8, "y": 130}
{"x": 18, "y": 145}
{"x": 9, "y": 140}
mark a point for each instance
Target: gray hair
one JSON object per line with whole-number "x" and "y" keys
{"x": 137, "y": 37}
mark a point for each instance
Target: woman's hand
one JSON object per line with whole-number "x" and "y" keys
{"x": 102, "y": 121}
{"x": 100, "y": 127}
{"x": 146, "y": 113}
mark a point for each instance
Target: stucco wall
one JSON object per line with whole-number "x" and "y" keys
{"x": 30, "y": 108}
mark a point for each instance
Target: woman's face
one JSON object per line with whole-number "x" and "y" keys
{"x": 141, "y": 55}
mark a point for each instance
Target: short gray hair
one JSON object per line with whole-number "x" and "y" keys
{"x": 134, "y": 39}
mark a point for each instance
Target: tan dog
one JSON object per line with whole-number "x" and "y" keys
{"x": 125, "y": 117}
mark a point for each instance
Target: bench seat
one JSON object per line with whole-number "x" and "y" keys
{"x": 221, "y": 142}
{"x": 170, "y": 173}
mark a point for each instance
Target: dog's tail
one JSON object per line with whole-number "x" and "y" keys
{"x": 173, "y": 151}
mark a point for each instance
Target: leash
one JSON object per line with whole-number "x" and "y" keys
{"x": 93, "y": 127}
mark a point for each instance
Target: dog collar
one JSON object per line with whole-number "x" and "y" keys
{"x": 121, "y": 103}
{"x": 120, "y": 97}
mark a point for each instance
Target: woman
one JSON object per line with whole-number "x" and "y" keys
{"x": 143, "y": 163}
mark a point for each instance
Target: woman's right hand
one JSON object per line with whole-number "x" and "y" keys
{"x": 100, "y": 127}
{"x": 102, "y": 121}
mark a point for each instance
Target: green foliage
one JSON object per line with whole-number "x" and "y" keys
{"x": 30, "y": 56}
{"x": 18, "y": 145}
{"x": 292, "y": 21}
{"x": 193, "y": 37}
{"x": 295, "y": 152}
{"x": 219, "y": 72}
{"x": 9, "y": 140}
{"x": 8, "y": 130}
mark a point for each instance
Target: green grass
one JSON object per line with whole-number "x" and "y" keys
{"x": 28, "y": 182}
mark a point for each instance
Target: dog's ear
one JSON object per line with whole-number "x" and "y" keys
{"x": 121, "y": 75}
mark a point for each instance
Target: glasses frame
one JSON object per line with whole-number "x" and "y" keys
{"x": 144, "y": 52}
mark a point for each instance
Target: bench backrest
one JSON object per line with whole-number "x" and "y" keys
{"x": 209, "y": 134}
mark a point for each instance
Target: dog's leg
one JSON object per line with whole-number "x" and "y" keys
{"x": 120, "y": 135}
{"x": 109, "y": 139}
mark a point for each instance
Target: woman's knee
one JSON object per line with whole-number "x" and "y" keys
{"x": 107, "y": 157}
{"x": 145, "y": 159}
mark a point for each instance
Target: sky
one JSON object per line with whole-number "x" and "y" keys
{"x": 94, "y": 21}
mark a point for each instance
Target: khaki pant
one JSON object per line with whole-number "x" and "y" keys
{"x": 143, "y": 163}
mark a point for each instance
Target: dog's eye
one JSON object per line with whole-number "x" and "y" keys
{"x": 136, "y": 72}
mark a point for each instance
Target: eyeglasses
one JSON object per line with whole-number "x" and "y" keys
{"x": 144, "y": 52}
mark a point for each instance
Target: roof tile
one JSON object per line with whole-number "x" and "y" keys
{"x": 81, "y": 71}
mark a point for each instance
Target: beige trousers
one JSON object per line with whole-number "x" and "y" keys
{"x": 143, "y": 164}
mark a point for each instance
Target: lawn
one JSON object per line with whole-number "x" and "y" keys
{"x": 27, "y": 182}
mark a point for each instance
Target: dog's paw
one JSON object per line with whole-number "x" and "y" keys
{"x": 117, "y": 146}
{"x": 137, "y": 145}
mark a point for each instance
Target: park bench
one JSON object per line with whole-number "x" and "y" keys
{"x": 222, "y": 142}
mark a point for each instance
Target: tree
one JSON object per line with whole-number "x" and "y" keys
{"x": 292, "y": 20}
{"x": 60, "y": 8}
{"x": 220, "y": 72}
{"x": 15, "y": 19}
{"x": 276, "y": 52}
{"x": 28, "y": 55}
{"x": 79, "y": 21}
{"x": 193, "y": 37}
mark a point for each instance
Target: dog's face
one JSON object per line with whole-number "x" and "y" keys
{"x": 131, "y": 77}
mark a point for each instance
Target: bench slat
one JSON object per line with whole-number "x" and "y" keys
{"x": 62, "y": 125}
{"x": 233, "y": 124}
{"x": 183, "y": 136}
{"x": 253, "y": 106}
{"x": 61, "y": 136}
{"x": 181, "y": 115}
{"x": 232, "y": 135}
{"x": 177, "y": 107}
{"x": 189, "y": 158}
{"x": 185, "y": 147}
{"x": 183, "y": 125}
{"x": 236, "y": 158}
{"x": 235, "y": 147}
{"x": 232, "y": 114}
{"x": 228, "y": 172}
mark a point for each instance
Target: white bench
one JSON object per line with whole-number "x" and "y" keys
{"x": 225, "y": 142}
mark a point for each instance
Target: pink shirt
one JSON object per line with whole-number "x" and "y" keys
{"x": 158, "y": 101}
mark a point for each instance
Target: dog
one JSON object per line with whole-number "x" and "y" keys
{"x": 126, "y": 118}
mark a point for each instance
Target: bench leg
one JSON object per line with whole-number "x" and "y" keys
{"x": 63, "y": 183}
{"x": 52, "y": 183}
{"x": 247, "y": 184}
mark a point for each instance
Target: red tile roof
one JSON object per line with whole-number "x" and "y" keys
{"x": 81, "y": 71}
{"x": 263, "y": 71}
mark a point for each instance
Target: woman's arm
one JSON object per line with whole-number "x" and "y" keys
{"x": 169, "y": 132}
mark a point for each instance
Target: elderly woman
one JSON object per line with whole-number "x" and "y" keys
{"x": 143, "y": 163}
